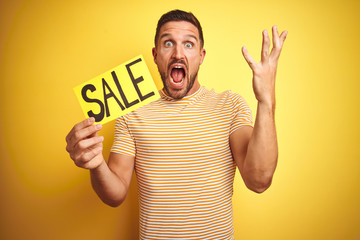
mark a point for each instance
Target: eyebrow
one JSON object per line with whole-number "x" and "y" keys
{"x": 187, "y": 35}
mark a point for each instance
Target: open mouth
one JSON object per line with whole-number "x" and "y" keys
{"x": 177, "y": 74}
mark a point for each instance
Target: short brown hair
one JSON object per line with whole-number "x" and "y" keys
{"x": 179, "y": 15}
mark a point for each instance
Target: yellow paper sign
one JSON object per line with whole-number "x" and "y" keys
{"x": 117, "y": 91}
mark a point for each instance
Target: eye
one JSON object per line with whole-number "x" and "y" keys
{"x": 168, "y": 44}
{"x": 188, "y": 45}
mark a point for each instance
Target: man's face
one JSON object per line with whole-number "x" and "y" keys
{"x": 178, "y": 56}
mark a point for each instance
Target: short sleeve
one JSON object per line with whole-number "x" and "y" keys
{"x": 123, "y": 141}
{"x": 242, "y": 115}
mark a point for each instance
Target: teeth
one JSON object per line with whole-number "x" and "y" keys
{"x": 177, "y": 67}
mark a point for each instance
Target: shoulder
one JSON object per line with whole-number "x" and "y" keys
{"x": 227, "y": 96}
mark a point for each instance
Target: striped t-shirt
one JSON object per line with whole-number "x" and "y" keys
{"x": 183, "y": 163}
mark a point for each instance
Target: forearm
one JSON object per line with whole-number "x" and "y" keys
{"x": 108, "y": 186}
{"x": 262, "y": 152}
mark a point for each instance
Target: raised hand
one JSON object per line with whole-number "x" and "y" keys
{"x": 264, "y": 72}
{"x": 84, "y": 145}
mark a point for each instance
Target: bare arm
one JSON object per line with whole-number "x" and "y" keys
{"x": 256, "y": 150}
{"x": 110, "y": 180}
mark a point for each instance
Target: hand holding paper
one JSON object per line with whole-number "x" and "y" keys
{"x": 105, "y": 98}
{"x": 84, "y": 145}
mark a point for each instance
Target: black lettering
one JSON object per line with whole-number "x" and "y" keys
{"x": 127, "y": 104}
{"x": 98, "y": 117}
{"x": 137, "y": 81}
{"x": 109, "y": 95}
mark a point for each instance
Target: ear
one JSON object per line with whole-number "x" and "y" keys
{"x": 202, "y": 55}
{"x": 154, "y": 53}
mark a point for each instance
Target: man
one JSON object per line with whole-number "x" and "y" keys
{"x": 185, "y": 146}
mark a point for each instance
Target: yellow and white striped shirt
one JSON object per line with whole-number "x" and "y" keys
{"x": 183, "y": 163}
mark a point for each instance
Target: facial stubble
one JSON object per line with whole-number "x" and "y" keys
{"x": 178, "y": 94}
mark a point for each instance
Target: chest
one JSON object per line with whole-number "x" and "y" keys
{"x": 189, "y": 123}
{"x": 184, "y": 144}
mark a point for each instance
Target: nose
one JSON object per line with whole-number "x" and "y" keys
{"x": 178, "y": 52}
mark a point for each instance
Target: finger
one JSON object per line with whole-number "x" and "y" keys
{"x": 95, "y": 153}
{"x": 265, "y": 46}
{"x": 84, "y": 159}
{"x": 83, "y": 134}
{"x": 249, "y": 59}
{"x": 95, "y": 134}
{"x": 88, "y": 143}
{"x": 283, "y": 37}
{"x": 87, "y": 122}
{"x": 275, "y": 51}
{"x": 275, "y": 35}
{"x": 80, "y": 154}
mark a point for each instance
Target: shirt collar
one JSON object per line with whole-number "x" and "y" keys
{"x": 198, "y": 92}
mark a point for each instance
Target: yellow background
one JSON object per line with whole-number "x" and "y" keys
{"x": 48, "y": 47}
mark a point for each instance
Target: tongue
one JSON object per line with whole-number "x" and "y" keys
{"x": 177, "y": 74}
